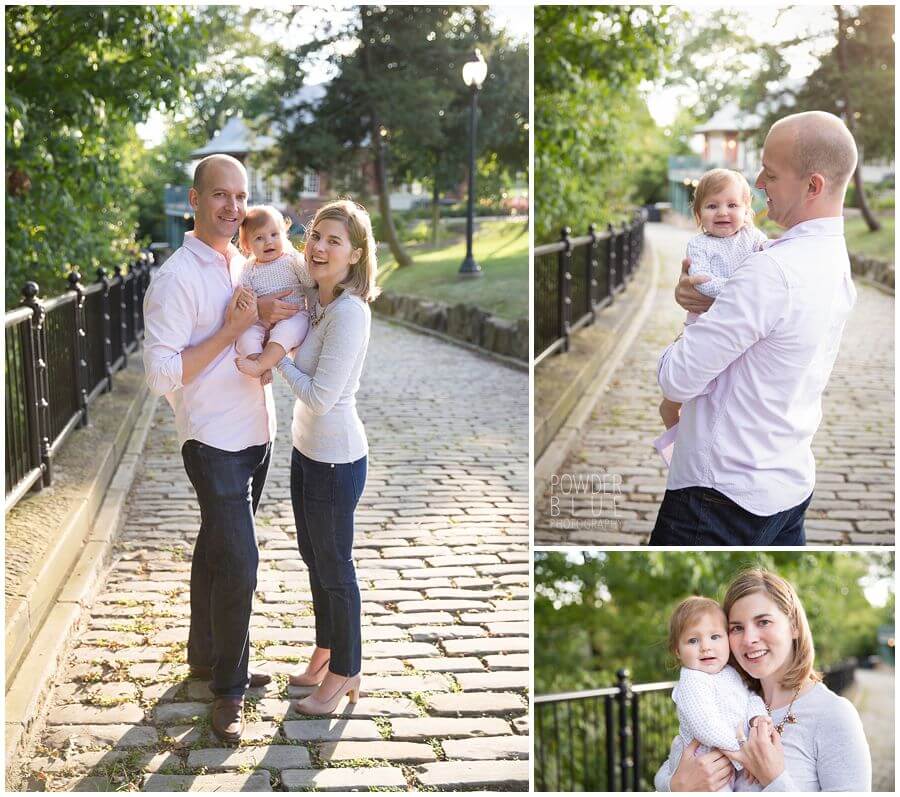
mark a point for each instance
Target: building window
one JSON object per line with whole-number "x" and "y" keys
{"x": 311, "y": 182}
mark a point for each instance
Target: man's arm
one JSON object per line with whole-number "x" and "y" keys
{"x": 272, "y": 310}
{"x": 753, "y": 301}
{"x": 686, "y": 294}
{"x": 238, "y": 318}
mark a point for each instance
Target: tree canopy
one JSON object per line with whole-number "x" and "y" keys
{"x": 78, "y": 79}
{"x": 597, "y": 612}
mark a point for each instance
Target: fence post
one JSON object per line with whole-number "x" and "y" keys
{"x": 564, "y": 272}
{"x": 81, "y": 365}
{"x": 626, "y": 252}
{"x": 591, "y": 271}
{"x": 123, "y": 324}
{"x": 611, "y": 265}
{"x": 41, "y": 382}
{"x": 610, "y": 745}
{"x": 136, "y": 277}
{"x": 107, "y": 332}
{"x": 624, "y": 730}
{"x": 635, "y": 743}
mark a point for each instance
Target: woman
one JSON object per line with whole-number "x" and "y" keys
{"x": 328, "y": 462}
{"x": 818, "y": 742}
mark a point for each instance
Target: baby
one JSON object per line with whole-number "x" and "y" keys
{"x": 714, "y": 705}
{"x": 722, "y": 211}
{"x": 273, "y": 265}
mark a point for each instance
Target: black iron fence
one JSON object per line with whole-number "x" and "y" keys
{"x": 61, "y": 353}
{"x": 575, "y": 278}
{"x": 615, "y": 739}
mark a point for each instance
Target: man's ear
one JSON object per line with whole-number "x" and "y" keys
{"x": 816, "y": 187}
{"x": 193, "y": 198}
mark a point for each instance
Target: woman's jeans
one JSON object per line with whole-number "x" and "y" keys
{"x": 704, "y": 516}
{"x": 325, "y": 496}
{"x": 223, "y": 570}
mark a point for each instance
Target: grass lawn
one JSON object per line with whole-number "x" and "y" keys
{"x": 500, "y": 248}
{"x": 860, "y": 241}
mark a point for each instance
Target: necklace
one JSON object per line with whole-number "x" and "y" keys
{"x": 789, "y": 718}
{"x": 317, "y": 314}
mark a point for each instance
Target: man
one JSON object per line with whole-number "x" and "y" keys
{"x": 751, "y": 371}
{"x": 194, "y": 311}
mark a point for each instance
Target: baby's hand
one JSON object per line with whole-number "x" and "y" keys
{"x": 758, "y": 720}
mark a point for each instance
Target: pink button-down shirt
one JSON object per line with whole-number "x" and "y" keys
{"x": 751, "y": 371}
{"x": 185, "y": 305}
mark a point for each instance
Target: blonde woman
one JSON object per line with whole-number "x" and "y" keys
{"x": 329, "y": 458}
{"x": 818, "y": 742}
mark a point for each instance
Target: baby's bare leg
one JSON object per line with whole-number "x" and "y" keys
{"x": 257, "y": 366}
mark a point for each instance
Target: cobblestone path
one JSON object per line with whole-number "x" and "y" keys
{"x": 873, "y": 695}
{"x": 442, "y": 558}
{"x": 611, "y": 485}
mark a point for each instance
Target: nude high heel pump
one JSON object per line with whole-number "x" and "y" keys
{"x": 308, "y": 678}
{"x": 314, "y": 706}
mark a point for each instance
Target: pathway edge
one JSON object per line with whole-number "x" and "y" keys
{"x": 30, "y": 686}
{"x": 559, "y": 448}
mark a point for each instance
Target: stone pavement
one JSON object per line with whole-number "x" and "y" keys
{"x": 610, "y": 487}
{"x": 442, "y": 558}
{"x": 873, "y": 695}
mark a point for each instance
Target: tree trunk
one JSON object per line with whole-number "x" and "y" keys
{"x": 871, "y": 222}
{"x": 378, "y": 160}
{"x": 435, "y": 213}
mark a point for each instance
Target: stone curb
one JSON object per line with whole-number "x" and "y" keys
{"x": 458, "y": 323}
{"x": 76, "y": 585}
{"x": 510, "y": 362}
{"x": 595, "y": 380}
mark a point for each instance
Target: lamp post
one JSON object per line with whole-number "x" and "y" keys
{"x": 474, "y": 72}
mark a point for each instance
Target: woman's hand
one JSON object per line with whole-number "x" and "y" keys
{"x": 272, "y": 309}
{"x": 687, "y": 295}
{"x": 709, "y": 772}
{"x": 762, "y": 754}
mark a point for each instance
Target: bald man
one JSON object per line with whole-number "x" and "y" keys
{"x": 194, "y": 311}
{"x": 752, "y": 370}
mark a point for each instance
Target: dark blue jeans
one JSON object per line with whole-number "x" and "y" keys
{"x": 229, "y": 485}
{"x": 703, "y": 516}
{"x": 324, "y": 497}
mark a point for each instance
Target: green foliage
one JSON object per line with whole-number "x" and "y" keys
{"x": 591, "y": 122}
{"x": 78, "y": 78}
{"x": 595, "y": 613}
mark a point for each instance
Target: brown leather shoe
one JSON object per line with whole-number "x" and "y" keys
{"x": 205, "y": 674}
{"x": 228, "y": 718}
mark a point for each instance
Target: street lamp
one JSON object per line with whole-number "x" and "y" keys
{"x": 474, "y": 72}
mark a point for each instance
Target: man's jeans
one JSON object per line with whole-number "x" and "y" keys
{"x": 703, "y": 516}
{"x": 324, "y": 497}
{"x": 223, "y": 571}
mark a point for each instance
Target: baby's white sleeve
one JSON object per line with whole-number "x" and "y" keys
{"x": 700, "y": 265}
{"x": 298, "y": 264}
{"x": 760, "y": 239}
{"x": 755, "y": 706}
{"x": 700, "y": 715}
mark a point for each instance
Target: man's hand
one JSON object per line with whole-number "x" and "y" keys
{"x": 708, "y": 772}
{"x": 241, "y": 313}
{"x": 670, "y": 412}
{"x": 687, "y": 295}
{"x": 272, "y": 309}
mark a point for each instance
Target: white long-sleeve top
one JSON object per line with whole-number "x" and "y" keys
{"x": 710, "y": 708}
{"x": 324, "y": 376}
{"x": 826, "y": 750}
{"x": 719, "y": 257}
{"x": 751, "y": 371}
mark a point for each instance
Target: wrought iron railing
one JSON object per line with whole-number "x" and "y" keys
{"x": 61, "y": 353}
{"x": 615, "y": 739}
{"x": 575, "y": 278}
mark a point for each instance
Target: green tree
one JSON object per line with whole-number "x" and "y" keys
{"x": 78, "y": 78}
{"x": 589, "y": 64}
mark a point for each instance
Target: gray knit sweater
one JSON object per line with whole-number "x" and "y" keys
{"x": 825, "y": 751}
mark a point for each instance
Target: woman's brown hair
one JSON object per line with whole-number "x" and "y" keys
{"x": 784, "y": 596}
{"x": 361, "y": 278}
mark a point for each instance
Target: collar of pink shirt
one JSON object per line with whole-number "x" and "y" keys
{"x": 829, "y": 225}
{"x": 213, "y": 257}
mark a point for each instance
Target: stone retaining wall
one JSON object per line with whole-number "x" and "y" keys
{"x": 461, "y": 321}
{"x": 876, "y": 270}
